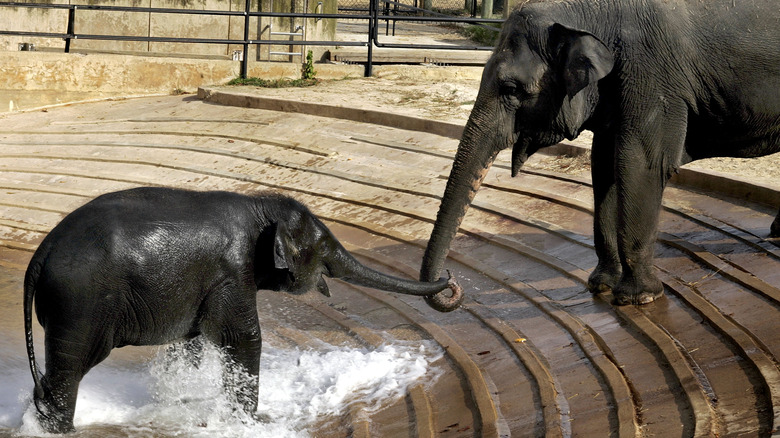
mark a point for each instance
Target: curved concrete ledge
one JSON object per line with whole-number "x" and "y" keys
{"x": 705, "y": 180}
{"x": 222, "y": 97}
{"x": 729, "y": 185}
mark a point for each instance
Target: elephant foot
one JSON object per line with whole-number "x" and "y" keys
{"x": 603, "y": 279}
{"x": 255, "y": 418}
{"x": 51, "y": 420}
{"x": 262, "y": 418}
{"x": 774, "y": 230}
{"x": 638, "y": 290}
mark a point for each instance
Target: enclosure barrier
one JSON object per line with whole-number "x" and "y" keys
{"x": 373, "y": 17}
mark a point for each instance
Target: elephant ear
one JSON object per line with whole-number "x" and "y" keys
{"x": 282, "y": 247}
{"x": 583, "y": 58}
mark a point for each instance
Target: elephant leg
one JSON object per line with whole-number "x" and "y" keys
{"x": 643, "y": 167}
{"x": 636, "y": 238}
{"x": 649, "y": 149}
{"x": 607, "y": 273}
{"x": 57, "y": 406}
{"x": 191, "y": 350}
{"x": 68, "y": 358}
{"x": 236, "y": 329}
{"x": 774, "y": 230}
{"x": 242, "y": 373}
{"x": 639, "y": 202}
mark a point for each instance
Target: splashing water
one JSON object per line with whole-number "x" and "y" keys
{"x": 299, "y": 389}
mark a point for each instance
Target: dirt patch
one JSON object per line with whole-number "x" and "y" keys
{"x": 763, "y": 170}
{"x": 440, "y": 100}
{"x": 578, "y": 166}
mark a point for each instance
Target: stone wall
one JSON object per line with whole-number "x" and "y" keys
{"x": 145, "y": 24}
{"x": 131, "y": 75}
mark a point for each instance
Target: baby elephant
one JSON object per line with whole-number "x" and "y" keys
{"x": 150, "y": 266}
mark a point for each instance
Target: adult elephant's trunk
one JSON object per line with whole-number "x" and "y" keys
{"x": 342, "y": 265}
{"x": 476, "y": 152}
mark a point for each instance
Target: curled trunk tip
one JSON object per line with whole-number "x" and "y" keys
{"x": 444, "y": 303}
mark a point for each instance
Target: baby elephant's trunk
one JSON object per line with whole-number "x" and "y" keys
{"x": 345, "y": 267}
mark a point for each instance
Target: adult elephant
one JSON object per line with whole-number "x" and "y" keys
{"x": 150, "y": 266}
{"x": 660, "y": 83}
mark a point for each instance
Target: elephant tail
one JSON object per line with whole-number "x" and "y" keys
{"x": 30, "y": 280}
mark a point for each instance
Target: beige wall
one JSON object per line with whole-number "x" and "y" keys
{"x": 32, "y": 20}
{"x": 167, "y": 25}
{"x": 129, "y": 75}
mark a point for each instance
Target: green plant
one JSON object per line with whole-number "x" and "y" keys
{"x": 308, "y": 78}
{"x": 308, "y": 67}
{"x": 273, "y": 83}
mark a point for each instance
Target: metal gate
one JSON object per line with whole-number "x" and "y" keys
{"x": 285, "y": 29}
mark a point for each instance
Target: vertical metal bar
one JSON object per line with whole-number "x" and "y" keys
{"x": 395, "y": 12}
{"x": 373, "y": 22}
{"x": 386, "y": 11}
{"x": 303, "y": 31}
{"x": 245, "y": 58}
{"x": 71, "y": 19}
{"x": 487, "y": 8}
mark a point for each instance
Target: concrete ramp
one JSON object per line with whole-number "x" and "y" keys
{"x": 531, "y": 353}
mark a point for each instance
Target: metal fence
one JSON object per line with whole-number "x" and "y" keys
{"x": 449, "y": 7}
{"x": 378, "y": 12}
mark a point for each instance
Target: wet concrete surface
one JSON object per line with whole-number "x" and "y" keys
{"x": 531, "y": 352}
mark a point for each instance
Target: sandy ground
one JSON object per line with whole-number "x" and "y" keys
{"x": 423, "y": 92}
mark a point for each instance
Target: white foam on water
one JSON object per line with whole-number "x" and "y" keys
{"x": 170, "y": 396}
{"x": 15, "y": 390}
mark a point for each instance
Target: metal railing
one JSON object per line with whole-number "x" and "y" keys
{"x": 374, "y": 16}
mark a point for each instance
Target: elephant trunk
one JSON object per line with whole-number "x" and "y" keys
{"x": 344, "y": 266}
{"x": 476, "y": 153}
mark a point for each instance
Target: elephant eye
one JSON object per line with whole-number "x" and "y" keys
{"x": 508, "y": 89}
{"x": 510, "y": 94}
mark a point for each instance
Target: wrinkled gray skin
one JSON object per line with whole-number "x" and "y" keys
{"x": 151, "y": 266}
{"x": 659, "y": 82}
